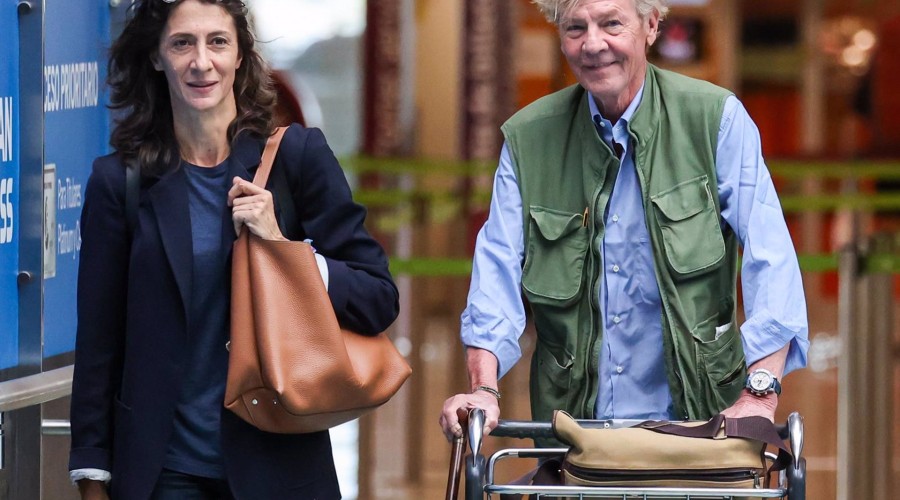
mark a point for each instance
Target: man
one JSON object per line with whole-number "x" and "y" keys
{"x": 617, "y": 211}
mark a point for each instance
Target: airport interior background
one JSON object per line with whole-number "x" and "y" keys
{"x": 411, "y": 94}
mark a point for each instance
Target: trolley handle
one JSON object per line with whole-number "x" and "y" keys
{"x": 522, "y": 429}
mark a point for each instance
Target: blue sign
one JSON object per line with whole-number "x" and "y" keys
{"x": 9, "y": 185}
{"x": 76, "y": 130}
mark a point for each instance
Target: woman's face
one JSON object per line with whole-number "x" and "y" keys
{"x": 198, "y": 52}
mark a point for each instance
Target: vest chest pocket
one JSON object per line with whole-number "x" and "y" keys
{"x": 687, "y": 217}
{"x": 555, "y": 254}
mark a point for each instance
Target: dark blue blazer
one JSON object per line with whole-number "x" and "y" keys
{"x": 132, "y": 320}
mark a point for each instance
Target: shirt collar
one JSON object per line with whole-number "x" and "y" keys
{"x": 629, "y": 111}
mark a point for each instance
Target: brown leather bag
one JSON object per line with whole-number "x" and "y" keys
{"x": 291, "y": 368}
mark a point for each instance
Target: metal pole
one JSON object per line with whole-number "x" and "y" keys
{"x": 847, "y": 305}
{"x": 880, "y": 364}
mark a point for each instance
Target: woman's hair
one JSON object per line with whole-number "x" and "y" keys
{"x": 554, "y": 10}
{"x": 144, "y": 131}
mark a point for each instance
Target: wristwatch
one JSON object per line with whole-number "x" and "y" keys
{"x": 761, "y": 382}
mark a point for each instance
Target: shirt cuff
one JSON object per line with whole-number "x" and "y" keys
{"x": 496, "y": 337}
{"x": 92, "y": 474}
{"x": 323, "y": 269}
{"x": 762, "y": 337}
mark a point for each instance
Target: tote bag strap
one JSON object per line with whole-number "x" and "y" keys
{"x": 268, "y": 157}
{"x": 757, "y": 428}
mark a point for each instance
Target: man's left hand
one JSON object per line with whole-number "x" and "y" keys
{"x": 749, "y": 405}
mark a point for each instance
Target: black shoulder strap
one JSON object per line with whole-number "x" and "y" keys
{"x": 132, "y": 195}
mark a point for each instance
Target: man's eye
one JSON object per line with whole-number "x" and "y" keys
{"x": 180, "y": 43}
{"x": 219, "y": 41}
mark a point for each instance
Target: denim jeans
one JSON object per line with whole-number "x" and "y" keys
{"x": 173, "y": 485}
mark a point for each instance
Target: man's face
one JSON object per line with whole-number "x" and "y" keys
{"x": 605, "y": 43}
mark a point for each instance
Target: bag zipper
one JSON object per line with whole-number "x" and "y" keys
{"x": 717, "y": 475}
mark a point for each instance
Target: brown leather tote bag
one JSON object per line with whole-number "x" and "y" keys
{"x": 291, "y": 367}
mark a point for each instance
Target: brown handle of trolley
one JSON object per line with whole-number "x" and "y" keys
{"x": 456, "y": 457}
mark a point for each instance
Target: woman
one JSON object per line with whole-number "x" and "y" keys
{"x": 147, "y": 401}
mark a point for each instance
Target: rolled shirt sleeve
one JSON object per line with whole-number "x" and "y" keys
{"x": 494, "y": 318}
{"x": 774, "y": 301}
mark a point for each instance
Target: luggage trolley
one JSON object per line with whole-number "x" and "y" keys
{"x": 480, "y": 478}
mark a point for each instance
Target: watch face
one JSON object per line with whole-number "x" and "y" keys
{"x": 760, "y": 381}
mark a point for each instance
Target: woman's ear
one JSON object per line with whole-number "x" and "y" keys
{"x": 154, "y": 59}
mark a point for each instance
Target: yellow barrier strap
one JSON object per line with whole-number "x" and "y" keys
{"x": 825, "y": 203}
{"x": 431, "y": 267}
{"x": 883, "y": 170}
{"x": 810, "y": 263}
{"x": 783, "y": 168}
{"x": 818, "y": 263}
{"x": 882, "y": 264}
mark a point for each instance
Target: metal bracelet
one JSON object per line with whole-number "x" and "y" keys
{"x": 487, "y": 389}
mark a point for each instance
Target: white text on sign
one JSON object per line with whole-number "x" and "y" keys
{"x": 6, "y": 129}
{"x": 71, "y": 86}
{"x": 6, "y": 211}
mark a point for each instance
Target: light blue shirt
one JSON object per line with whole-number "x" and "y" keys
{"x": 632, "y": 378}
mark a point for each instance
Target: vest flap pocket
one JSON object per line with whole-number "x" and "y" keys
{"x": 720, "y": 357}
{"x": 551, "y": 379}
{"x": 555, "y": 253}
{"x": 554, "y": 224}
{"x": 690, "y": 227}
{"x": 684, "y": 200}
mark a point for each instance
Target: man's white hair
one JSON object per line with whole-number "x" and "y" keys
{"x": 554, "y": 10}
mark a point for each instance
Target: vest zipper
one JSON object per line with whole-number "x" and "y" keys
{"x": 593, "y": 353}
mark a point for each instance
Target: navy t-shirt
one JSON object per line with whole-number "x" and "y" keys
{"x": 195, "y": 445}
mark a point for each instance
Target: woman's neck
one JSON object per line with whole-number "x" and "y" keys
{"x": 203, "y": 138}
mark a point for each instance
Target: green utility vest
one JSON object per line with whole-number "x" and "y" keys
{"x": 566, "y": 175}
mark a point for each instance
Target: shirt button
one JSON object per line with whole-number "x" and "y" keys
{"x": 617, "y": 320}
{"x": 619, "y": 369}
{"x": 615, "y": 218}
{"x": 615, "y": 269}
{"x": 603, "y": 124}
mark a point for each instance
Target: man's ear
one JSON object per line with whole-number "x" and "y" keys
{"x": 653, "y": 27}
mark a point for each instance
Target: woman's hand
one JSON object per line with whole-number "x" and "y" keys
{"x": 92, "y": 490}
{"x": 253, "y": 206}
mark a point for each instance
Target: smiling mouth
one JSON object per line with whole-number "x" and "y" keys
{"x": 201, "y": 85}
{"x": 596, "y": 66}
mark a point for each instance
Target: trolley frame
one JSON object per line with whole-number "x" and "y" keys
{"x": 480, "y": 473}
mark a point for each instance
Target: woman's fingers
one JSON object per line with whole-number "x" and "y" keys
{"x": 242, "y": 188}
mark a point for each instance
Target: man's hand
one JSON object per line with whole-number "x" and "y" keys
{"x": 479, "y": 399}
{"x": 749, "y": 405}
{"x": 92, "y": 490}
{"x": 481, "y": 366}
